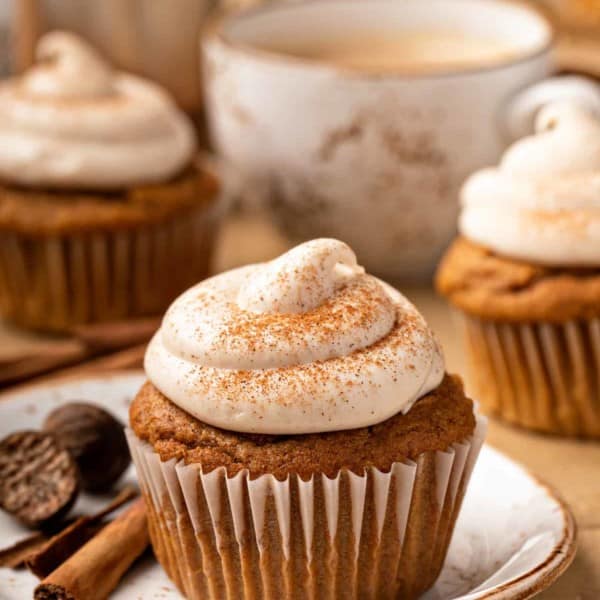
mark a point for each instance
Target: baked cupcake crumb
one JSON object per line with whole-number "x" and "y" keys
{"x": 484, "y": 284}
{"x": 440, "y": 418}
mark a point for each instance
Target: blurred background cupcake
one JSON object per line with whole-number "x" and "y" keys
{"x": 105, "y": 212}
{"x": 157, "y": 40}
{"x": 525, "y": 276}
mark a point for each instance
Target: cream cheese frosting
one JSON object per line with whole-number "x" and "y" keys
{"x": 305, "y": 343}
{"x": 71, "y": 121}
{"x": 542, "y": 203}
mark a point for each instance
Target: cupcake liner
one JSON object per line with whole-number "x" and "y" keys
{"x": 375, "y": 535}
{"x": 54, "y": 283}
{"x": 542, "y": 376}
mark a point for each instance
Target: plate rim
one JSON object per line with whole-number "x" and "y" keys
{"x": 542, "y": 576}
{"x": 525, "y": 586}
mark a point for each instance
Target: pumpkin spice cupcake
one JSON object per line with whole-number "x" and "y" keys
{"x": 298, "y": 435}
{"x": 100, "y": 193}
{"x": 525, "y": 277}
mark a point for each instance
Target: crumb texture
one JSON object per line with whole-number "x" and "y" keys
{"x": 442, "y": 417}
{"x": 483, "y": 284}
{"x": 46, "y": 212}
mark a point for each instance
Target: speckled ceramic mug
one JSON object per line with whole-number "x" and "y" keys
{"x": 375, "y": 159}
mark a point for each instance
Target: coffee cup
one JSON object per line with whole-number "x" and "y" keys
{"x": 373, "y": 150}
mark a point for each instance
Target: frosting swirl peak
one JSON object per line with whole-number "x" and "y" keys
{"x": 301, "y": 279}
{"x": 305, "y": 343}
{"x": 71, "y": 121}
{"x": 67, "y": 68}
{"x": 542, "y": 203}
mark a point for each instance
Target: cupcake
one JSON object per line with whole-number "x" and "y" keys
{"x": 524, "y": 275}
{"x": 104, "y": 211}
{"x": 298, "y": 435}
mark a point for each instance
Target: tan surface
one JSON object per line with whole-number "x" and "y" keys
{"x": 571, "y": 467}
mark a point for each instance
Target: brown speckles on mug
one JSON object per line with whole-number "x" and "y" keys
{"x": 375, "y": 161}
{"x": 340, "y": 135}
{"x": 419, "y": 148}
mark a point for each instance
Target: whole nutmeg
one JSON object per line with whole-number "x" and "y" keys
{"x": 95, "y": 439}
{"x": 39, "y": 481}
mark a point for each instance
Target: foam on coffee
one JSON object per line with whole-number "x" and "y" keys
{"x": 406, "y": 52}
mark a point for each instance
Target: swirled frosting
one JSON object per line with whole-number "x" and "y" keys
{"x": 542, "y": 203}
{"x": 305, "y": 343}
{"x": 72, "y": 122}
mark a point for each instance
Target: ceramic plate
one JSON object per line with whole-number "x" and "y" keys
{"x": 514, "y": 536}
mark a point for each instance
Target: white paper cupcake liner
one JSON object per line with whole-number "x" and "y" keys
{"x": 54, "y": 283}
{"x": 376, "y": 535}
{"x": 543, "y": 376}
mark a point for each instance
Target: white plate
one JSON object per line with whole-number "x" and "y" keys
{"x": 514, "y": 536}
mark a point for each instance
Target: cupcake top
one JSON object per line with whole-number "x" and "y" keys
{"x": 542, "y": 203}
{"x": 305, "y": 343}
{"x": 71, "y": 121}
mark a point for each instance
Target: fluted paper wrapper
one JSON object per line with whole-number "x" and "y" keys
{"x": 54, "y": 283}
{"x": 542, "y": 376}
{"x": 376, "y": 535}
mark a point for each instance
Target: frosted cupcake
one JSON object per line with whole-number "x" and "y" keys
{"x": 298, "y": 435}
{"x": 525, "y": 276}
{"x": 100, "y": 193}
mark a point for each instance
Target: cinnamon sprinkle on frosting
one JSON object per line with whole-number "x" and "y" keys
{"x": 305, "y": 343}
{"x": 541, "y": 204}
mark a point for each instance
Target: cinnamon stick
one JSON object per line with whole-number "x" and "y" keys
{"x": 130, "y": 358}
{"x": 53, "y": 356}
{"x": 94, "y": 571}
{"x": 123, "y": 359}
{"x": 65, "y": 543}
{"x": 116, "y": 334}
{"x": 87, "y": 342}
{"x": 16, "y": 555}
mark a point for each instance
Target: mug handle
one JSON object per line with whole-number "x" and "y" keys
{"x": 521, "y": 110}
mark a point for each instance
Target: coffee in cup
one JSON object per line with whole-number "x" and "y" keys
{"x": 426, "y": 51}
